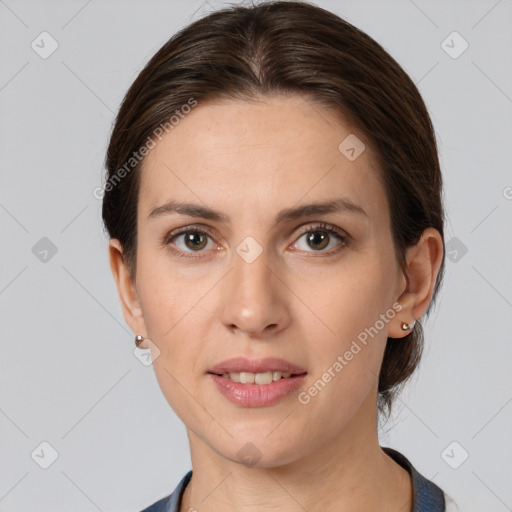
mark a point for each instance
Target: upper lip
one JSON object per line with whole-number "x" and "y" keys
{"x": 241, "y": 364}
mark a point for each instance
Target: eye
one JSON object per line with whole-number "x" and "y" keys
{"x": 192, "y": 242}
{"x": 322, "y": 238}
{"x": 189, "y": 240}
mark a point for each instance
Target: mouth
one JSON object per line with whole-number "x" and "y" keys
{"x": 257, "y": 383}
{"x": 260, "y": 378}
{"x": 256, "y": 371}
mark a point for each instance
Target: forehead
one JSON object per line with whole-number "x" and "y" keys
{"x": 253, "y": 155}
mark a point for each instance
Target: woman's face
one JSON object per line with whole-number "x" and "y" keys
{"x": 264, "y": 282}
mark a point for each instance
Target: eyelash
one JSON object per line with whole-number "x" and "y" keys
{"x": 321, "y": 226}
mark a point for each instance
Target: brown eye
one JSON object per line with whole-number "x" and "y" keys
{"x": 188, "y": 241}
{"x": 322, "y": 238}
{"x": 195, "y": 240}
{"x": 318, "y": 240}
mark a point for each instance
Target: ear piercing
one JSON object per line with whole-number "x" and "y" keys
{"x": 407, "y": 327}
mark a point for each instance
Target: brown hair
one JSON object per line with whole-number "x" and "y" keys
{"x": 287, "y": 47}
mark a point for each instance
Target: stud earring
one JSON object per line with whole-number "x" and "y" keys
{"x": 407, "y": 327}
{"x": 138, "y": 340}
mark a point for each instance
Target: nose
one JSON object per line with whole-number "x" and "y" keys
{"x": 255, "y": 299}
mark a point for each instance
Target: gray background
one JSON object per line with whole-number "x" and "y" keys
{"x": 68, "y": 373}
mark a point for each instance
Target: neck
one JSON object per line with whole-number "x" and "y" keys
{"x": 347, "y": 473}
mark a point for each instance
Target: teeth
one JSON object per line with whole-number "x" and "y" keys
{"x": 247, "y": 378}
{"x": 256, "y": 378}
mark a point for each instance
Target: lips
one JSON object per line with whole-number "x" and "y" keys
{"x": 269, "y": 364}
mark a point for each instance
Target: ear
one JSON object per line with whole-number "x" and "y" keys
{"x": 132, "y": 310}
{"x": 423, "y": 264}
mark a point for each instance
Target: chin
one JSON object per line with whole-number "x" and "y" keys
{"x": 260, "y": 452}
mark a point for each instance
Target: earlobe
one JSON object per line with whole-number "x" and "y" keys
{"x": 132, "y": 311}
{"x": 423, "y": 264}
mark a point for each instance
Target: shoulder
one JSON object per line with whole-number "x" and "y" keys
{"x": 427, "y": 496}
{"x": 172, "y": 502}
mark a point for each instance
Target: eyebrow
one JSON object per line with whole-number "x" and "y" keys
{"x": 288, "y": 214}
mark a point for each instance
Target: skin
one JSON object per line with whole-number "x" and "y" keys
{"x": 250, "y": 160}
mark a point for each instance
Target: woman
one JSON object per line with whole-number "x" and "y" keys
{"x": 274, "y": 207}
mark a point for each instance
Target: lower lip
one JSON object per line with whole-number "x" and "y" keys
{"x": 257, "y": 395}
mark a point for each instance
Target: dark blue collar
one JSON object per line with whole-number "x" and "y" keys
{"x": 427, "y": 496}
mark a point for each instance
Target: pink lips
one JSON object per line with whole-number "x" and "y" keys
{"x": 257, "y": 395}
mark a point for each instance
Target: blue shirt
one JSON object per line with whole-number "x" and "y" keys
{"x": 427, "y": 496}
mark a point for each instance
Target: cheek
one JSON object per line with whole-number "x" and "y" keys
{"x": 346, "y": 300}
{"x": 345, "y": 367}
{"x": 176, "y": 315}
{"x": 167, "y": 293}
{"x": 347, "y": 327}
